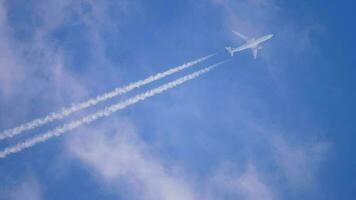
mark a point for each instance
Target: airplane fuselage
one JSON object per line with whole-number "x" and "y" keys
{"x": 253, "y": 43}
{"x": 256, "y": 42}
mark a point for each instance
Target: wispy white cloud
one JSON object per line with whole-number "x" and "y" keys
{"x": 39, "y": 68}
{"x": 229, "y": 182}
{"x": 296, "y": 161}
{"x": 28, "y": 188}
{"x": 11, "y": 74}
{"x": 300, "y": 162}
{"x": 33, "y": 68}
{"x": 117, "y": 155}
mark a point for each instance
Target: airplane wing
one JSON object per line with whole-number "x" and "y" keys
{"x": 254, "y": 52}
{"x": 241, "y": 36}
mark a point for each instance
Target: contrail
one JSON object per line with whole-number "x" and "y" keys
{"x": 91, "y": 102}
{"x": 102, "y": 113}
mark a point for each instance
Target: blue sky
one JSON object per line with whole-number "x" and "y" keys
{"x": 278, "y": 127}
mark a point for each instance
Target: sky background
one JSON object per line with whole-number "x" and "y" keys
{"x": 278, "y": 127}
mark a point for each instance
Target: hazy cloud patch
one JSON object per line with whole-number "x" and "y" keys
{"x": 116, "y": 153}
{"x": 28, "y": 188}
{"x": 300, "y": 162}
{"x": 233, "y": 182}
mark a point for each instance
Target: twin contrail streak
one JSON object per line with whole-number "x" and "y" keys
{"x": 102, "y": 113}
{"x": 91, "y": 102}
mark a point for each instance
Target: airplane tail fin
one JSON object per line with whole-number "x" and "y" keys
{"x": 230, "y": 50}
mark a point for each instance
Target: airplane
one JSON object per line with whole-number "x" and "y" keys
{"x": 251, "y": 43}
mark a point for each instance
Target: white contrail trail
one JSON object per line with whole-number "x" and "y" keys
{"x": 91, "y": 102}
{"x": 102, "y": 113}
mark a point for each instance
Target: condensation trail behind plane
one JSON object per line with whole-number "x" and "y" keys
{"x": 102, "y": 113}
{"x": 91, "y": 102}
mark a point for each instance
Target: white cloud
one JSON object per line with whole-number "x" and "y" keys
{"x": 42, "y": 61}
{"x": 115, "y": 154}
{"x": 299, "y": 163}
{"x": 252, "y": 187}
{"x": 11, "y": 75}
{"x": 37, "y": 61}
{"x": 40, "y": 69}
{"x": 248, "y": 185}
{"x": 28, "y": 189}
{"x": 297, "y": 160}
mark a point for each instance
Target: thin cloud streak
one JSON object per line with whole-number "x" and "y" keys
{"x": 92, "y": 102}
{"x": 103, "y": 113}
